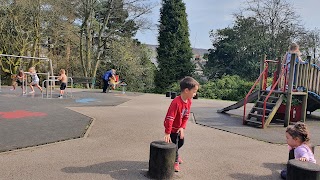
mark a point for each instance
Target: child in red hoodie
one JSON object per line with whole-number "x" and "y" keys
{"x": 178, "y": 114}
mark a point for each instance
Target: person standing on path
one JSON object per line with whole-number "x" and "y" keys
{"x": 178, "y": 114}
{"x": 107, "y": 75}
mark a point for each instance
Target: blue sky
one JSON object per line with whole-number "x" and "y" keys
{"x": 206, "y": 15}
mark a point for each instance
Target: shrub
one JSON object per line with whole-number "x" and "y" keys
{"x": 227, "y": 88}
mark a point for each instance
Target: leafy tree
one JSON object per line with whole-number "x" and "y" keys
{"x": 15, "y": 32}
{"x": 133, "y": 64}
{"x": 264, "y": 27}
{"x": 105, "y": 21}
{"x": 174, "y": 51}
{"x": 237, "y": 50}
{"x": 205, "y": 56}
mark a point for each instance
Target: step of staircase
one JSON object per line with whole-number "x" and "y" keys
{"x": 268, "y": 103}
{"x": 256, "y": 113}
{"x": 270, "y": 97}
{"x": 274, "y": 92}
{"x": 254, "y": 121}
{"x": 258, "y": 116}
{"x": 260, "y": 109}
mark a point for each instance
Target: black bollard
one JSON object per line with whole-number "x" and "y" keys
{"x": 168, "y": 93}
{"x": 173, "y": 95}
{"x": 302, "y": 170}
{"x": 161, "y": 161}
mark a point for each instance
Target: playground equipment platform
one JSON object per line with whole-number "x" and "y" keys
{"x": 300, "y": 82}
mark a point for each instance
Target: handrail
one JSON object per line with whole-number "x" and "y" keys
{"x": 269, "y": 94}
{"x": 273, "y": 61}
{"x": 54, "y": 80}
{"x": 247, "y": 96}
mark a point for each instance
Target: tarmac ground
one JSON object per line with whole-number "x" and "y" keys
{"x": 107, "y": 136}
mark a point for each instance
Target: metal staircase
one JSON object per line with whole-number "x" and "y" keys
{"x": 265, "y": 108}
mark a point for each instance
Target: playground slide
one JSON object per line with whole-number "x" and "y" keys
{"x": 253, "y": 96}
{"x": 313, "y": 101}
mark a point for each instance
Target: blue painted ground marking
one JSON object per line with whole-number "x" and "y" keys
{"x": 85, "y": 100}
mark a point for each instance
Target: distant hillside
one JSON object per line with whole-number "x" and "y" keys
{"x": 199, "y": 51}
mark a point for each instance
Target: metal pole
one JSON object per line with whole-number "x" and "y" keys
{"x": 51, "y": 71}
{"x": 0, "y": 79}
{"x": 47, "y": 84}
{"x": 71, "y": 82}
{"x": 26, "y": 57}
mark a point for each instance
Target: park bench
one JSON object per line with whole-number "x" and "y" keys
{"x": 84, "y": 80}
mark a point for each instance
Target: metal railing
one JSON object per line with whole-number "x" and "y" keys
{"x": 49, "y": 86}
{"x": 252, "y": 88}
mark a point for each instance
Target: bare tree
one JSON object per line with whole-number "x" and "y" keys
{"x": 310, "y": 42}
{"x": 279, "y": 17}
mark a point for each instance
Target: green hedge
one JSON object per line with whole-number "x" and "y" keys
{"x": 228, "y": 87}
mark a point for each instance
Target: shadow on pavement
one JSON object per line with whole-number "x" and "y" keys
{"x": 275, "y": 172}
{"x": 116, "y": 169}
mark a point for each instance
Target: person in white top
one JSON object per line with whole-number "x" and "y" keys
{"x": 35, "y": 80}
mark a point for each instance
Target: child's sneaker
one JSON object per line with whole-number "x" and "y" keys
{"x": 31, "y": 92}
{"x": 176, "y": 167}
{"x": 180, "y": 160}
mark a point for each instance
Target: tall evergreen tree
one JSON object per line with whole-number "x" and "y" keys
{"x": 174, "y": 51}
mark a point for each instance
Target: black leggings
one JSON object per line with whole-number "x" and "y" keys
{"x": 105, "y": 85}
{"x": 175, "y": 138}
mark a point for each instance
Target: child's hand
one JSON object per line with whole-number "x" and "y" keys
{"x": 181, "y": 132}
{"x": 167, "y": 138}
{"x": 303, "y": 159}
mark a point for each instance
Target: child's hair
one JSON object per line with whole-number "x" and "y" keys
{"x": 13, "y": 76}
{"x": 293, "y": 47}
{"x": 300, "y": 131}
{"x": 32, "y": 69}
{"x": 62, "y": 71}
{"x": 20, "y": 73}
{"x": 188, "y": 82}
